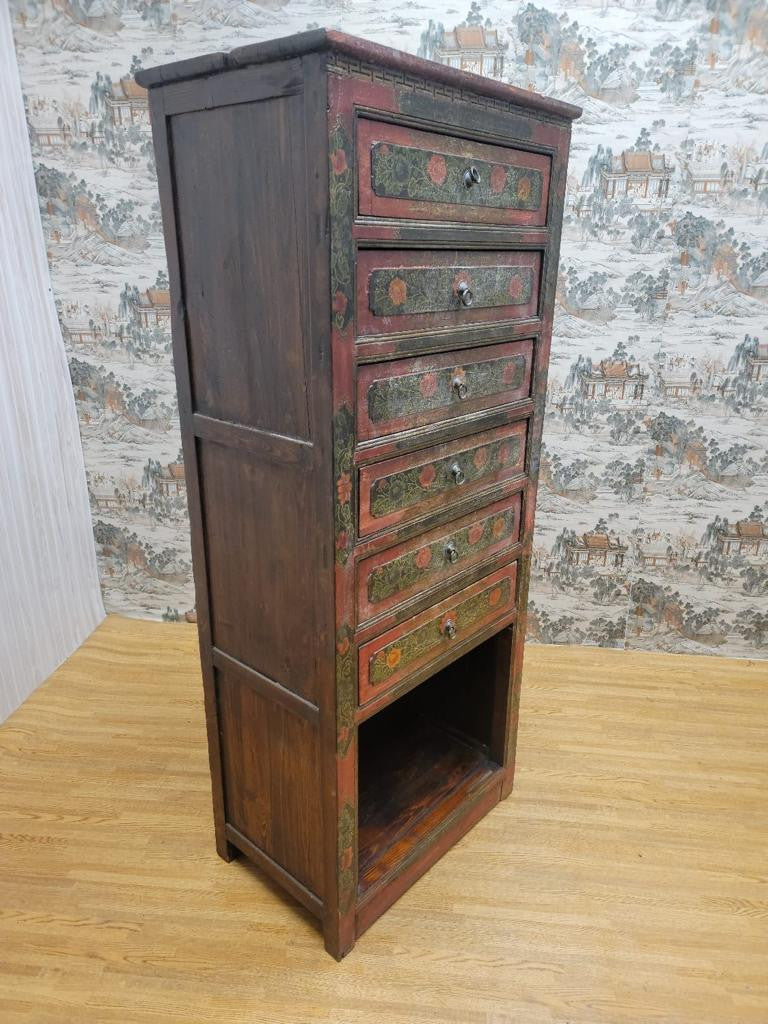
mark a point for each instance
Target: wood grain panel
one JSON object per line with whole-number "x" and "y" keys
{"x": 241, "y": 209}
{"x": 257, "y": 556}
{"x": 271, "y": 765}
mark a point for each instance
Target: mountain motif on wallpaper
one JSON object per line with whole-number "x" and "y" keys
{"x": 652, "y": 526}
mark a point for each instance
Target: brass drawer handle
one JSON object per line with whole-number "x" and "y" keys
{"x": 465, "y": 293}
{"x": 449, "y": 629}
{"x": 457, "y": 473}
{"x": 471, "y": 176}
{"x": 460, "y": 387}
{"x": 451, "y": 552}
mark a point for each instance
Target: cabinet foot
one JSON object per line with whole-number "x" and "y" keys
{"x": 339, "y": 936}
{"x": 226, "y": 850}
{"x": 337, "y": 949}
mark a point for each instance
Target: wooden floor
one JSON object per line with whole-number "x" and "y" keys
{"x": 625, "y": 879}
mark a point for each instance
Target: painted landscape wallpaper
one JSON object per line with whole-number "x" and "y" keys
{"x": 653, "y": 508}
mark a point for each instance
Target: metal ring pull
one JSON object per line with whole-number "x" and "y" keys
{"x": 451, "y": 552}
{"x": 449, "y": 629}
{"x": 471, "y": 176}
{"x": 459, "y": 387}
{"x": 465, "y": 293}
{"x": 457, "y": 473}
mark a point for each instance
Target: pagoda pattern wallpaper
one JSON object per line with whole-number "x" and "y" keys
{"x": 652, "y": 522}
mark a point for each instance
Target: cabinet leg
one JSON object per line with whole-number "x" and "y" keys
{"x": 339, "y": 934}
{"x": 507, "y": 783}
{"x": 224, "y": 848}
{"x": 338, "y": 946}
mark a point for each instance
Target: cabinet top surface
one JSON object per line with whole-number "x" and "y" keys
{"x": 363, "y": 50}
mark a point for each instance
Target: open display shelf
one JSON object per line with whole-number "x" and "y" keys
{"x": 422, "y": 761}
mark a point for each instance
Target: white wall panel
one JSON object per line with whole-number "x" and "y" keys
{"x": 49, "y": 591}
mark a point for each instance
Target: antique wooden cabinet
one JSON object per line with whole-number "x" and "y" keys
{"x": 363, "y": 252}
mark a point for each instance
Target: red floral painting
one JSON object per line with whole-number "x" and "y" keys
{"x": 436, "y": 169}
{"x": 428, "y": 384}
{"x": 424, "y": 557}
{"x": 499, "y": 179}
{"x": 398, "y": 291}
{"x": 475, "y": 532}
{"x": 339, "y": 161}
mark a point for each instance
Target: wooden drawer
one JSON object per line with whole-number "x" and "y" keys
{"x": 392, "y": 657}
{"x": 429, "y": 289}
{"x": 409, "y": 393}
{"x": 405, "y": 173}
{"x": 408, "y": 486}
{"x": 389, "y": 578}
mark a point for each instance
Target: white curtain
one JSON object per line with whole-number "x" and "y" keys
{"x": 49, "y": 591}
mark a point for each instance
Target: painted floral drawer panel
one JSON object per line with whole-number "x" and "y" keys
{"x": 415, "y": 290}
{"x": 390, "y": 658}
{"x": 404, "y": 290}
{"x": 387, "y": 579}
{"x": 410, "y": 174}
{"x": 408, "y": 486}
{"x": 408, "y": 393}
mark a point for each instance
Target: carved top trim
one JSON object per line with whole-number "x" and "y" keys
{"x": 435, "y": 85}
{"x": 350, "y": 55}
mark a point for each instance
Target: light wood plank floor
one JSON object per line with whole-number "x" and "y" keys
{"x": 625, "y": 879}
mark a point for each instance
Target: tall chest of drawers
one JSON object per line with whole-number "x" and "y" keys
{"x": 362, "y": 250}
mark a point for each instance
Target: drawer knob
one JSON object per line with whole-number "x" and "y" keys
{"x": 449, "y": 628}
{"x": 471, "y": 176}
{"x": 451, "y": 552}
{"x": 465, "y": 293}
{"x": 460, "y": 387}
{"x": 457, "y": 473}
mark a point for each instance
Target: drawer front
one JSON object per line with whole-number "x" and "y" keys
{"x": 427, "y": 289}
{"x": 409, "y": 486}
{"x": 405, "y": 173}
{"x": 389, "y": 578}
{"x": 409, "y": 393}
{"x": 392, "y": 657}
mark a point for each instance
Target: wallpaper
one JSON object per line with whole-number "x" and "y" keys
{"x": 652, "y": 524}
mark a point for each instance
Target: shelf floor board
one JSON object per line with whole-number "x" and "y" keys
{"x": 413, "y": 776}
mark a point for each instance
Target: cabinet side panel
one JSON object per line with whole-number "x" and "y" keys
{"x": 271, "y": 763}
{"x": 241, "y": 213}
{"x": 245, "y": 246}
{"x": 258, "y": 542}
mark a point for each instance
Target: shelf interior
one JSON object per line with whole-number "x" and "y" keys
{"x": 424, "y": 756}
